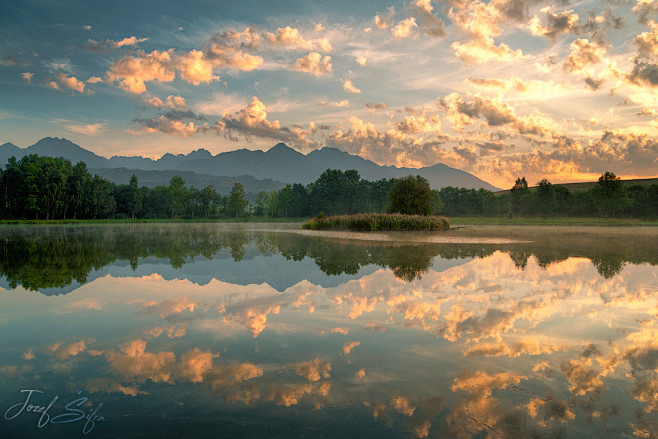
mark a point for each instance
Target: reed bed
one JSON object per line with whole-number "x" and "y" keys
{"x": 377, "y": 222}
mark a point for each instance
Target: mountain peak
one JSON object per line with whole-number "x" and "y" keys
{"x": 9, "y": 145}
{"x": 281, "y": 148}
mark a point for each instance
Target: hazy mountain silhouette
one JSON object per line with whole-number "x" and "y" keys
{"x": 280, "y": 164}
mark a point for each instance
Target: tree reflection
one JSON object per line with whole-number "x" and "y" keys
{"x": 56, "y": 256}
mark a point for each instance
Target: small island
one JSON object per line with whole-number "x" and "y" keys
{"x": 377, "y": 222}
{"x": 410, "y": 207}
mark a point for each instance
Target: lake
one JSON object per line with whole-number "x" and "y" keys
{"x": 264, "y": 330}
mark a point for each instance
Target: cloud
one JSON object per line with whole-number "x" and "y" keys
{"x": 483, "y": 50}
{"x": 517, "y": 84}
{"x": 556, "y": 24}
{"x": 94, "y": 80}
{"x": 349, "y": 87}
{"x": 341, "y": 104}
{"x": 645, "y": 9}
{"x": 644, "y": 73}
{"x": 384, "y": 21}
{"x": 374, "y": 107}
{"x": 64, "y": 81}
{"x": 313, "y": 370}
{"x": 291, "y": 38}
{"x": 133, "y": 72}
{"x": 195, "y": 68}
{"x": 647, "y": 42}
{"x": 170, "y": 101}
{"x": 250, "y": 121}
{"x": 404, "y": 29}
{"x": 584, "y": 53}
{"x": 464, "y": 112}
{"x": 9, "y": 61}
{"x": 479, "y": 21}
{"x": 314, "y": 64}
{"x": 91, "y": 129}
{"x": 527, "y": 346}
{"x": 402, "y": 405}
{"x": 361, "y": 60}
{"x": 104, "y": 46}
{"x": 347, "y": 347}
{"x": 228, "y": 49}
{"x": 63, "y": 351}
{"x": 430, "y": 24}
{"x": 27, "y": 76}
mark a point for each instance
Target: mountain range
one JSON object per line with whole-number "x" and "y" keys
{"x": 267, "y": 169}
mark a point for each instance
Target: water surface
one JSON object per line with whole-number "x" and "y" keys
{"x": 184, "y": 330}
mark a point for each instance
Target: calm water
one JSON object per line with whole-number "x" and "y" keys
{"x": 194, "y": 331}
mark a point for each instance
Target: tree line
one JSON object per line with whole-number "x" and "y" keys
{"x": 37, "y": 187}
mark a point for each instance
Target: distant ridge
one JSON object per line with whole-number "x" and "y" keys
{"x": 279, "y": 164}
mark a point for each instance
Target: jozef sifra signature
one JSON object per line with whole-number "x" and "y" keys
{"x": 71, "y": 413}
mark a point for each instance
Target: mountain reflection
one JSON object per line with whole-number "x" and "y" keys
{"x": 47, "y": 257}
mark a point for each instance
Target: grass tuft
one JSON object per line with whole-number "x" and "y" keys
{"x": 377, "y": 222}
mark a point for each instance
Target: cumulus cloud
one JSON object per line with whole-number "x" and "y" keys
{"x": 132, "y": 72}
{"x": 64, "y": 81}
{"x": 195, "y": 68}
{"x": 646, "y": 9}
{"x": 349, "y": 87}
{"x": 463, "y": 112}
{"x": 347, "y": 347}
{"x": 291, "y": 38}
{"x": 556, "y": 24}
{"x": 361, "y": 60}
{"x": 104, "y": 46}
{"x": 313, "y": 370}
{"x": 647, "y": 42}
{"x": 384, "y": 21}
{"x": 171, "y": 102}
{"x": 314, "y": 64}
{"x": 584, "y": 53}
{"x": 404, "y": 29}
{"x": 230, "y": 49}
{"x": 65, "y": 350}
{"x": 430, "y": 24}
{"x": 644, "y": 73}
{"x": 479, "y": 21}
{"x": 250, "y": 121}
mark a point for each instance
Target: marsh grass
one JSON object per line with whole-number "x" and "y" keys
{"x": 377, "y": 222}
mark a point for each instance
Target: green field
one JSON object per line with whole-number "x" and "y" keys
{"x": 585, "y": 186}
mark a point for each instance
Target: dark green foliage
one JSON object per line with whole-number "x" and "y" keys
{"x": 610, "y": 194}
{"x": 411, "y": 196}
{"x": 50, "y": 188}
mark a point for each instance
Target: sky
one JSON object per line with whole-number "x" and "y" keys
{"x": 562, "y": 90}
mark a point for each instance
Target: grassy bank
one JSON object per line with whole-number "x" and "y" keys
{"x": 552, "y": 221}
{"x": 153, "y": 220}
{"x": 377, "y": 222}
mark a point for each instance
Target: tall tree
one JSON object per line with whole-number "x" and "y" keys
{"x": 609, "y": 194}
{"x": 412, "y": 196}
{"x": 176, "y": 194}
{"x": 545, "y": 197}
{"x": 134, "y": 197}
{"x": 236, "y": 201}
